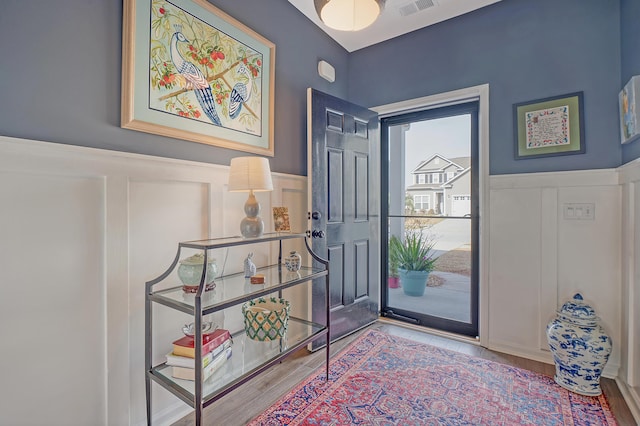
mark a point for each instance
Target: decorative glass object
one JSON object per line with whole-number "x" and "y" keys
{"x": 266, "y": 318}
{"x": 293, "y": 261}
{"x": 580, "y": 347}
{"x": 190, "y": 329}
{"x": 190, "y": 273}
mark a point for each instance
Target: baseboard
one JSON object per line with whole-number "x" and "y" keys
{"x": 631, "y": 397}
{"x": 169, "y": 415}
{"x": 610, "y": 370}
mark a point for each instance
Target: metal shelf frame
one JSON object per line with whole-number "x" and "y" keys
{"x": 167, "y": 297}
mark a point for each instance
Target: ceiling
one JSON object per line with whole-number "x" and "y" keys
{"x": 398, "y": 17}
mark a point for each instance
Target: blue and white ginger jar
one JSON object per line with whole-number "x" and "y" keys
{"x": 580, "y": 347}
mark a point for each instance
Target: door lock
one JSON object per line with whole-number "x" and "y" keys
{"x": 317, "y": 233}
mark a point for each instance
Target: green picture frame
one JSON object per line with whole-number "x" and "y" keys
{"x": 192, "y": 72}
{"x": 549, "y": 127}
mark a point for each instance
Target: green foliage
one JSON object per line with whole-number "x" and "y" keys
{"x": 393, "y": 260}
{"x": 409, "y": 207}
{"x": 415, "y": 253}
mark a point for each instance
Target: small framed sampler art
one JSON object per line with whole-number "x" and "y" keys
{"x": 281, "y": 219}
{"x": 549, "y": 127}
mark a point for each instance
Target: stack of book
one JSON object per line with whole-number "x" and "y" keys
{"x": 216, "y": 349}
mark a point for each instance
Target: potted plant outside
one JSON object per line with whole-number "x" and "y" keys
{"x": 393, "y": 280}
{"x": 415, "y": 260}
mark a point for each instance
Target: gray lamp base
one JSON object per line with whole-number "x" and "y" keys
{"x": 252, "y": 226}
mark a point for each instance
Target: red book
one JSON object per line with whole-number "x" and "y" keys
{"x": 185, "y": 346}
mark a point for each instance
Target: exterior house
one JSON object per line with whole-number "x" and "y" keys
{"x": 442, "y": 186}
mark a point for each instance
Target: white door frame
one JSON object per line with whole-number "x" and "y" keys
{"x": 481, "y": 94}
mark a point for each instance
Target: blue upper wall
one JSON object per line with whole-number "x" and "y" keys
{"x": 525, "y": 50}
{"x": 60, "y": 76}
{"x": 630, "y": 45}
{"x": 60, "y": 73}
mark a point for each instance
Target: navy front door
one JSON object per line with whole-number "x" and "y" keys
{"x": 343, "y": 150}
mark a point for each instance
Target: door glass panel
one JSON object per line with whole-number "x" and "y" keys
{"x": 432, "y": 200}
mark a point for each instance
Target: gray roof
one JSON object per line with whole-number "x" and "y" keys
{"x": 463, "y": 162}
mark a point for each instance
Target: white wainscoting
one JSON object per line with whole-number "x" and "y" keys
{"x": 81, "y": 231}
{"x": 629, "y": 377}
{"x": 539, "y": 259}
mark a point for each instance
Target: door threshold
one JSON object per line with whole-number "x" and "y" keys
{"x": 434, "y": 331}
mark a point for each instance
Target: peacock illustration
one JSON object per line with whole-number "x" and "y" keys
{"x": 240, "y": 93}
{"x": 196, "y": 81}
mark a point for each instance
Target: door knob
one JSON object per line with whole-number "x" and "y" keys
{"x": 316, "y": 215}
{"x": 317, "y": 233}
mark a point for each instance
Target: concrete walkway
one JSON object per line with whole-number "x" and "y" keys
{"x": 449, "y": 234}
{"x": 451, "y": 300}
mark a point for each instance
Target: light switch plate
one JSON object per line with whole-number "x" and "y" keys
{"x": 579, "y": 211}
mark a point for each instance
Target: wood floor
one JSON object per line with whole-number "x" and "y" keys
{"x": 245, "y": 403}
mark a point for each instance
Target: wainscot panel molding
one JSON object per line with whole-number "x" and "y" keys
{"x": 539, "y": 259}
{"x": 82, "y": 230}
{"x": 629, "y": 377}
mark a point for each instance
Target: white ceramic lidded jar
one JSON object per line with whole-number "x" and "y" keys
{"x": 190, "y": 273}
{"x": 293, "y": 262}
{"x": 580, "y": 347}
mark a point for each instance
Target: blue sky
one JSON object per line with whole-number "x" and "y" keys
{"x": 447, "y": 136}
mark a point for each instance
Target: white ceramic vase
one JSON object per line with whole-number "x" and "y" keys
{"x": 293, "y": 261}
{"x": 580, "y": 347}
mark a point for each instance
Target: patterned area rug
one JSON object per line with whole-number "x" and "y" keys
{"x": 381, "y": 379}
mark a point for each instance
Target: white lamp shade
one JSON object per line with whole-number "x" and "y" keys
{"x": 348, "y": 15}
{"x": 250, "y": 174}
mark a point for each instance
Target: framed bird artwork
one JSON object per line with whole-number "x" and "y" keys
{"x": 192, "y": 72}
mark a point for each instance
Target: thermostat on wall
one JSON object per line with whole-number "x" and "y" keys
{"x": 326, "y": 71}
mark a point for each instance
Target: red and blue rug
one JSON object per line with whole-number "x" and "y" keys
{"x": 381, "y": 379}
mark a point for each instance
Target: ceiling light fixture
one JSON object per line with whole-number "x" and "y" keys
{"x": 348, "y": 15}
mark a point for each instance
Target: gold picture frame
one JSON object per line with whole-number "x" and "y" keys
{"x": 281, "y": 222}
{"x": 192, "y": 72}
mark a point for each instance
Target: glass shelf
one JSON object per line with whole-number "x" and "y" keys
{"x": 216, "y": 243}
{"x": 248, "y": 358}
{"x": 234, "y": 289}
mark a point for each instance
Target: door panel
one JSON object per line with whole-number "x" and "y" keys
{"x": 343, "y": 170}
{"x": 336, "y": 279}
{"x": 362, "y": 188}
{"x": 335, "y": 179}
{"x": 362, "y": 268}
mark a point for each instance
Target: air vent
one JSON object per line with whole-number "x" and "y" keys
{"x": 424, "y": 4}
{"x": 415, "y": 6}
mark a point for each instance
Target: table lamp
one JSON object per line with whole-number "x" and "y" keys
{"x": 249, "y": 174}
